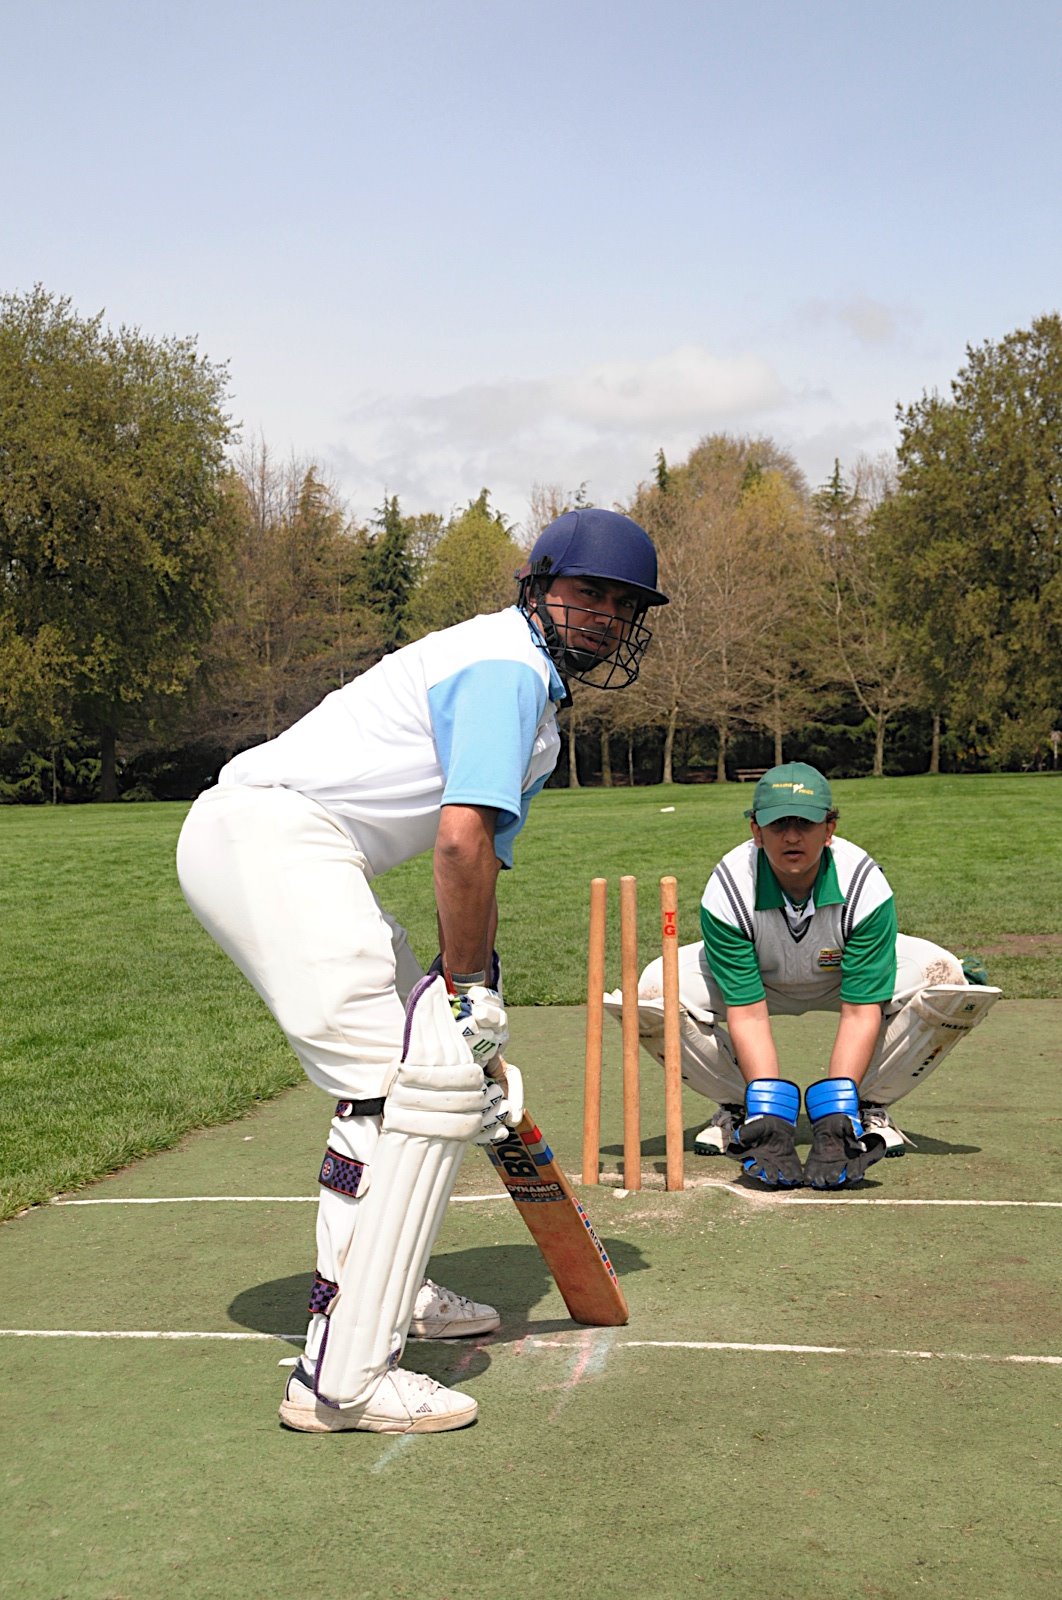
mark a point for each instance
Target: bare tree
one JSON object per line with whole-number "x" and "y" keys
{"x": 871, "y": 655}
{"x": 716, "y": 522}
{"x": 292, "y": 629}
{"x": 548, "y": 501}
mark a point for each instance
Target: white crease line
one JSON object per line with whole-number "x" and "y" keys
{"x": 201, "y": 1200}
{"x": 138, "y": 1333}
{"x": 806, "y": 1349}
{"x": 578, "y": 1344}
{"x": 396, "y": 1447}
{"x": 869, "y": 1200}
{"x": 240, "y": 1200}
{"x": 750, "y": 1195}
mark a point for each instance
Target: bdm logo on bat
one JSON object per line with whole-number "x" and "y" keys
{"x": 511, "y": 1154}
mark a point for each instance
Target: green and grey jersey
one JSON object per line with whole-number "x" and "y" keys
{"x": 840, "y": 945}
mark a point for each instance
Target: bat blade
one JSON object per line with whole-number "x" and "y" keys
{"x": 560, "y": 1227}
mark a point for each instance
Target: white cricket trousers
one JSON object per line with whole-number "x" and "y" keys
{"x": 281, "y": 887}
{"x": 285, "y": 892}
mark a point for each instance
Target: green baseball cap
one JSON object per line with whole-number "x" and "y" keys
{"x": 792, "y": 790}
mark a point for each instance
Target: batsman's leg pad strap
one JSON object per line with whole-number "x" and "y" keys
{"x": 831, "y": 1096}
{"x": 342, "y": 1175}
{"x": 919, "y": 1036}
{"x": 359, "y": 1108}
{"x": 322, "y": 1294}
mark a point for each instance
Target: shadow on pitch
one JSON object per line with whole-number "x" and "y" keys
{"x": 922, "y": 1145}
{"x": 512, "y": 1277}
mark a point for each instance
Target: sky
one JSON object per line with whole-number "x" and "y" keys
{"x": 443, "y": 247}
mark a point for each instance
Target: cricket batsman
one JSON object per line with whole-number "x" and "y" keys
{"x": 439, "y": 747}
{"x": 797, "y": 919}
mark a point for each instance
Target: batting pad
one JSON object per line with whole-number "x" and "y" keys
{"x": 920, "y": 1035}
{"x": 434, "y": 1107}
{"x": 708, "y": 1065}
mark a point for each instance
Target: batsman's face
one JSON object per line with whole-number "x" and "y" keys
{"x": 794, "y": 847}
{"x": 591, "y": 615}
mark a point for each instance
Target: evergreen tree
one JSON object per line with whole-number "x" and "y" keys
{"x": 389, "y": 574}
{"x": 974, "y": 535}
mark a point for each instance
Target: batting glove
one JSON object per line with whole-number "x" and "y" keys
{"x": 494, "y": 1129}
{"x": 512, "y": 1081}
{"x": 480, "y": 1016}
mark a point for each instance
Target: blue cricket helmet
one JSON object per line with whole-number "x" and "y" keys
{"x": 584, "y": 643}
{"x": 593, "y": 542}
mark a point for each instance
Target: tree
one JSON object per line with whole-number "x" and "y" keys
{"x": 716, "y": 522}
{"x": 547, "y": 502}
{"x": 114, "y": 520}
{"x": 974, "y": 537}
{"x": 871, "y": 654}
{"x": 293, "y": 627}
{"x": 790, "y": 677}
{"x": 389, "y": 574}
{"x": 471, "y": 569}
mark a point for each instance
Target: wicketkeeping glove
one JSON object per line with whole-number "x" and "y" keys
{"x": 764, "y": 1142}
{"x": 840, "y": 1150}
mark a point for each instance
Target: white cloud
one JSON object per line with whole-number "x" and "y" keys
{"x": 602, "y": 426}
{"x": 687, "y": 387}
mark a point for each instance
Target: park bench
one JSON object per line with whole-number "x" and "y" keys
{"x": 750, "y": 774}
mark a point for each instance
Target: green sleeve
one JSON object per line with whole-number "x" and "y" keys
{"x": 868, "y": 965}
{"x": 732, "y": 962}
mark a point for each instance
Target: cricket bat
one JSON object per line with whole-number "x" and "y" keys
{"x": 560, "y": 1227}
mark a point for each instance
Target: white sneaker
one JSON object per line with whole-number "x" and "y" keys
{"x": 438, "y": 1313}
{"x": 876, "y": 1120}
{"x": 402, "y": 1402}
{"x": 717, "y": 1134}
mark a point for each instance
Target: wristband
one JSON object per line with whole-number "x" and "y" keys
{"x": 468, "y": 980}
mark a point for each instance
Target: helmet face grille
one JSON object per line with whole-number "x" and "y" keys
{"x": 596, "y": 649}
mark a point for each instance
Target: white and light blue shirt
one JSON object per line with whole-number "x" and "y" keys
{"x": 465, "y": 716}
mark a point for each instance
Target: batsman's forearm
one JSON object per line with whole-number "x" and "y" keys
{"x": 466, "y": 874}
{"x": 857, "y": 1037}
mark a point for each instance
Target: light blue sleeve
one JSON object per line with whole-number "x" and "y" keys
{"x": 484, "y": 719}
{"x": 504, "y": 838}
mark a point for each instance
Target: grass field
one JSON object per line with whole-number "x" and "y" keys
{"x": 816, "y": 1398}
{"x": 122, "y": 1025}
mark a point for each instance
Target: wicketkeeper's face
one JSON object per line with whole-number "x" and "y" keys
{"x": 794, "y": 846}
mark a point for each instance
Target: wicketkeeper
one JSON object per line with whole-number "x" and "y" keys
{"x": 440, "y": 746}
{"x": 797, "y": 919}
